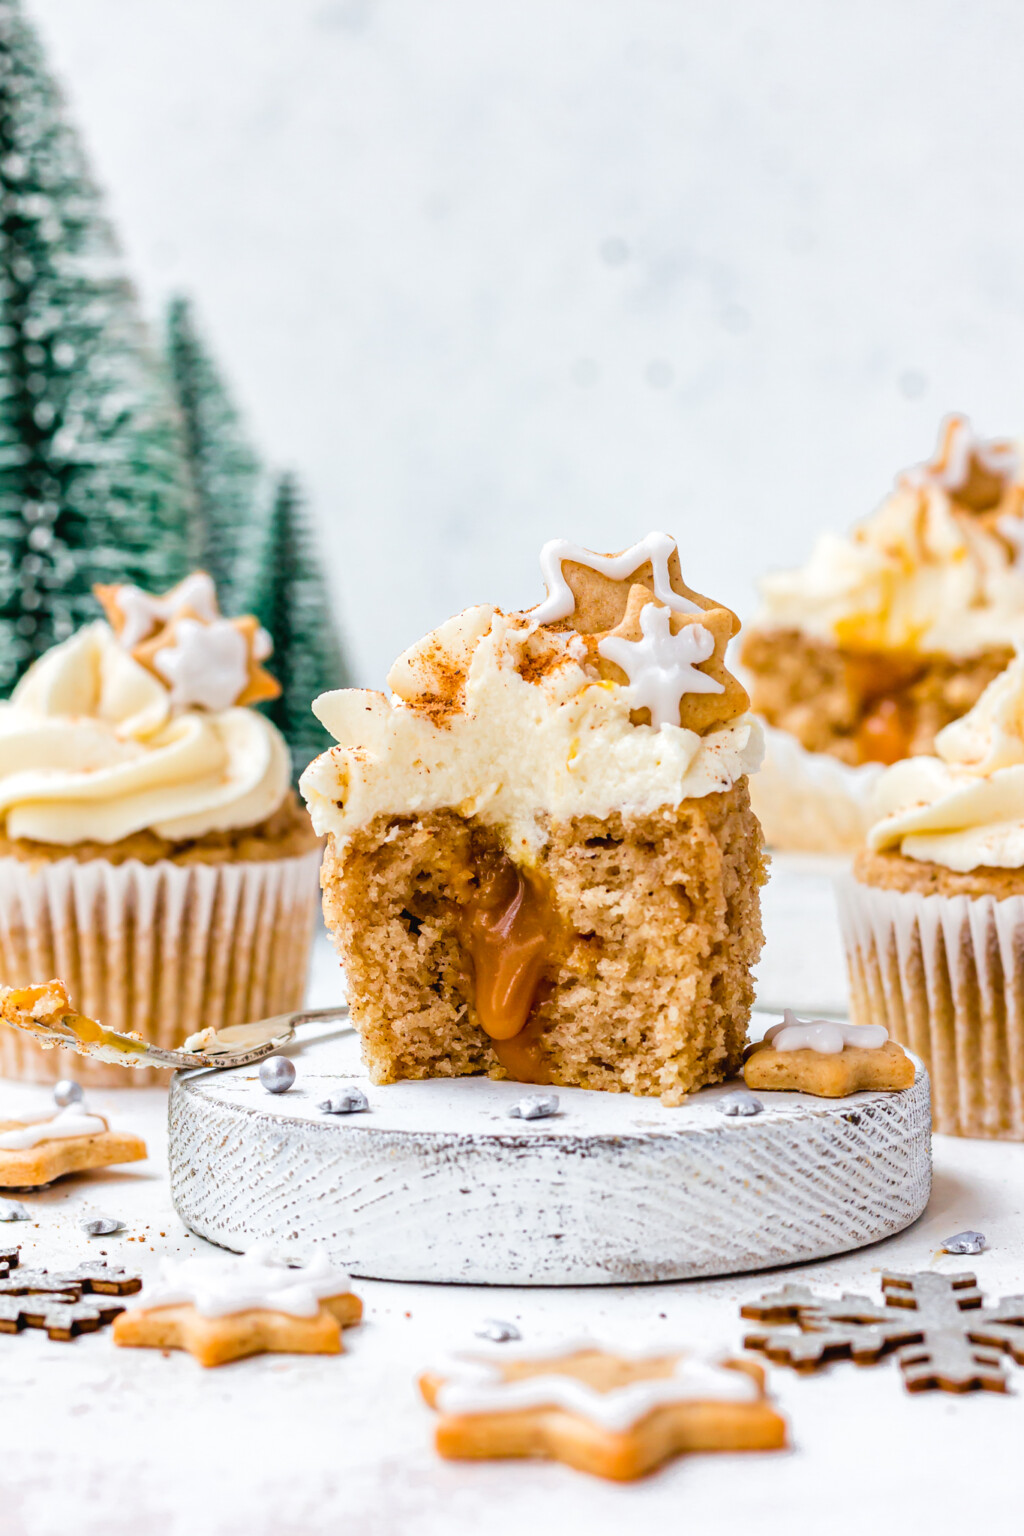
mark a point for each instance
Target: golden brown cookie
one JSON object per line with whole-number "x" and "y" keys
{"x": 259, "y": 684}
{"x": 887, "y": 1067}
{"x": 598, "y": 600}
{"x": 611, "y": 1414}
{"x": 217, "y": 1340}
{"x": 32, "y": 1167}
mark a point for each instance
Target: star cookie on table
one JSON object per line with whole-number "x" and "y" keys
{"x": 134, "y": 615}
{"x": 221, "y": 1309}
{"x": 673, "y": 663}
{"x": 827, "y": 1059}
{"x": 608, "y": 1412}
{"x": 591, "y": 591}
{"x": 55, "y": 1301}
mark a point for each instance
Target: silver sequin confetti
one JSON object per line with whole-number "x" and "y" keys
{"x": 102, "y": 1226}
{"x": 277, "y": 1074}
{"x": 536, "y": 1106}
{"x": 350, "y": 1101}
{"x": 66, "y": 1092}
{"x": 965, "y": 1242}
{"x": 740, "y": 1103}
{"x": 13, "y": 1210}
{"x": 497, "y": 1332}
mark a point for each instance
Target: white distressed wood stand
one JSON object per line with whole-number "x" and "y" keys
{"x": 437, "y": 1182}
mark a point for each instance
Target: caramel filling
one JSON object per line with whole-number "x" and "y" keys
{"x": 508, "y": 926}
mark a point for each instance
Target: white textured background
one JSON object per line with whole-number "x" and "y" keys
{"x": 488, "y": 272}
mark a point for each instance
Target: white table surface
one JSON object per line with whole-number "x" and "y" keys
{"x": 99, "y": 1441}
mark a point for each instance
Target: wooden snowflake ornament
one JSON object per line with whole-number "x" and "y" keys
{"x": 54, "y": 1301}
{"x": 942, "y": 1334}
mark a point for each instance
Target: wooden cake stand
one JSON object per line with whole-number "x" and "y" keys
{"x": 437, "y": 1182}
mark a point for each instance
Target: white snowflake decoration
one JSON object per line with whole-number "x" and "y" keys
{"x": 661, "y": 666}
{"x": 205, "y": 664}
{"x": 560, "y": 602}
{"x": 143, "y": 612}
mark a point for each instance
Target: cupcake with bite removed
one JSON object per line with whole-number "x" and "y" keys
{"x": 152, "y": 851}
{"x": 863, "y": 655}
{"x": 933, "y": 917}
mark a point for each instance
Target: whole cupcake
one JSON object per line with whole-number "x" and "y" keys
{"x": 933, "y": 918}
{"x": 860, "y": 657}
{"x": 152, "y": 852}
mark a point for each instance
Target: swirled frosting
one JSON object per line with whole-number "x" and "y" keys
{"x": 508, "y": 722}
{"x": 963, "y": 809}
{"x": 925, "y": 572}
{"x": 92, "y": 751}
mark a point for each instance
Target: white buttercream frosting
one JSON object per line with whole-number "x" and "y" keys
{"x": 91, "y": 750}
{"x": 523, "y": 739}
{"x": 219, "y": 1285}
{"x": 922, "y": 573}
{"x": 963, "y": 808}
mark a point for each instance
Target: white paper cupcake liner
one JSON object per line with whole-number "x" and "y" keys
{"x": 163, "y": 949}
{"x": 945, "y": 974}
{"x": 811, "y": 802}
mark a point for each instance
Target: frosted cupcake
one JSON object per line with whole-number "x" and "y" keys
{"x": 860, "y": 657}
{"x": 934, "y": 917}
{"x": 152, "y": 853}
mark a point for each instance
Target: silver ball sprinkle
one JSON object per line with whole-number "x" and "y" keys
{"x": 277, "y": 1074}
{"x": 965, "y": 1242}
{"x": 13, "y": 1210}
{"x": 740, "y": 1103}
{"x": 67, "y": 1092}
{"x": 350, "y": 1101}
{"x": 102, "y": 1226}
{"x": 497, "y": 1332}
{"x": 536, "y": 1106}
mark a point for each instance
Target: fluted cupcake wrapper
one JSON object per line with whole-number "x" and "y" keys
{"x": 945, "y": 974}
{"x": 163, "y": 949}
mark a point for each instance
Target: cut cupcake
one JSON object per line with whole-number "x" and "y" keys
{"x": 933, "y": 917}
{"x": 542, "y": 863}
{"x": 860, "y": 657}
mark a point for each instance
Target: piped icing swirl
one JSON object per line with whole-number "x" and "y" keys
{"x": 92, "y": 750}
{"x": 936, "y": 568}
{"x": 510, "y": 718}
{"x": 964, "y": 808}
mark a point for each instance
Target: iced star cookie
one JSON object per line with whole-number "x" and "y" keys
{"x": 826, "y": 1059}
{"x": 222, "y": 1308}
{"x": 601, "y": 1410}
{"x": 39, "y": 1146}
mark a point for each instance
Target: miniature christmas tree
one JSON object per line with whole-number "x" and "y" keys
{"x": 226, "y": 474}
{"x": 290, "y": 599}
{"x": 92, "y": 477}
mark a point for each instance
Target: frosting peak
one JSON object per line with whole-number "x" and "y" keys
{"x": 617, "y": 701}
{"x": 91, "y": 750}
{"x": 964, "y": 808}
{"x": 937, "y": 567}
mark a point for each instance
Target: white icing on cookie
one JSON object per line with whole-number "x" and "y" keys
{"x": 205, "y": 664}
{"x": 37, "y": 1127}
{"x": 560, "y": 602}
{"x": 474, "y": 1383}
{"x": 959, "y": 444}
{"x": 143, "y": 613}
{"x": 219, "y": 1285}
{"x": 824, "y": 1036}
{"x": 661, "y": 666}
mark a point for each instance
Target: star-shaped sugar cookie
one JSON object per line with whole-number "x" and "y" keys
{"x": 590, "y": 591}
{"x": 73, "y": 1147}
{"x": 611, "y": 1413}
{"x": 213, "y": 665}
{"x": 886, "y": 1067}
{"x": 674, "y": 664}
{"x": 975, "y": 472}
{"x": 134, "y": 615}
{"x": 221, "y": 1308}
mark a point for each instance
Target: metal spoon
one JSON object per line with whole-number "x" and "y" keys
{"x": 239, "y": 1045}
